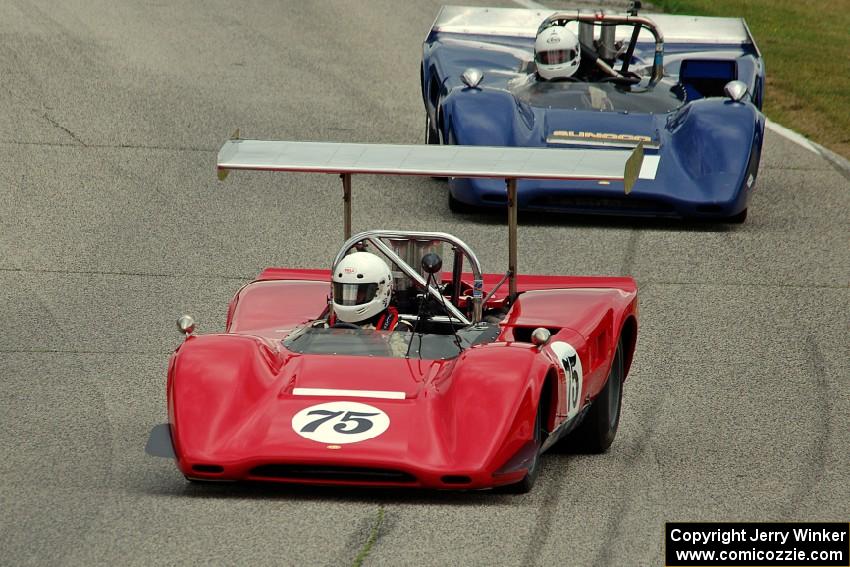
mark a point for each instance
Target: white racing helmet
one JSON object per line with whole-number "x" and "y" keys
{"x": 362, "y": 285}
{"x": 556, "y": 52}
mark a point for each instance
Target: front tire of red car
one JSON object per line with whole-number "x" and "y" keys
{"x": 527, "y": 483}
{"x": 599, "y": 427}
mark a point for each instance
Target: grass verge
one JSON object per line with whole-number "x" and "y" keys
{"x": 806, "y": 53}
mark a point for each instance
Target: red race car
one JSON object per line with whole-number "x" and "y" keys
{"x": 391, "y": 370}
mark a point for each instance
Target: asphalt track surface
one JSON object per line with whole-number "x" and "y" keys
{"x": 112, "y": 223}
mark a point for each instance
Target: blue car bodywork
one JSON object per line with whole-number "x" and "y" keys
{"x": 702, "y": 148}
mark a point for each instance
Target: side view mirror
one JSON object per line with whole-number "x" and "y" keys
{"x": 186, "y": 325}
{"x": 471, "y": 77}
{"x": 540, "y": 336}
{"x": 736, "y": 90}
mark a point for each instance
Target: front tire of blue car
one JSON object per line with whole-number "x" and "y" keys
{"x": 456, "y": 206}
{"x": 432, "y": 137}
{"x": 739, "y": 218}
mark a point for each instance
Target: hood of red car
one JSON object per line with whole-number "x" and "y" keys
{"x": 389, "y": 377}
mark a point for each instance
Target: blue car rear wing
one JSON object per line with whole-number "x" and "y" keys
{"x": 519, "y": 22}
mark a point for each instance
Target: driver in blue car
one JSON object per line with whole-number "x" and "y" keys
{"x": 361, "y": 295}
{"x": 557, "y": 53}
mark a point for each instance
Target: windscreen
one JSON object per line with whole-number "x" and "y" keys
{"x": 389, "y": 344}
{"x": 660, "y": 98}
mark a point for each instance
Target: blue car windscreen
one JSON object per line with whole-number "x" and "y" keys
{"x": 661, "y": 98}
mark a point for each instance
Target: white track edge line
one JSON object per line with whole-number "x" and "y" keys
{"x": 791, "y": 135}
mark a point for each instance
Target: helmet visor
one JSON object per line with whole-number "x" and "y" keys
{"x": 556, "y": 57}
{"x": 354, "y": 294}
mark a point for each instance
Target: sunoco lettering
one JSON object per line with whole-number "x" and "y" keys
{"x": 602, "y": 136}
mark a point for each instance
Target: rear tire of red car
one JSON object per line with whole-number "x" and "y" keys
{"x": 527, "y": 483}
{"x": 598, "y": 429}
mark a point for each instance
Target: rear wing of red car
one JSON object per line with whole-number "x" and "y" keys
{"x": 508, "y": 163}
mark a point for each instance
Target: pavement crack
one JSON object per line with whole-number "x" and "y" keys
{"x": 546, "y": 514}
{"x": 122, "y": 273}
{"x": 74, "y": 351}
{"x": 56, "y": 124}
{"x": 370, "y": 541}
{"x": 645, "y": 283}
{"x": 631, "y": 252}
{"x": 822, "y": 433}
{"x": 632, "y": 455}
{"x": 153, "y": 147}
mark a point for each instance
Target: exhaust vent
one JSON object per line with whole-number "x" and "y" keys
{"x": 322, "y": 472}
{"x": 456, "y": 479}
{"x": 624, "y": 203}
{"x": 209, "y": 469}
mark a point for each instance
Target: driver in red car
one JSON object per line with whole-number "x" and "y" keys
{"x": 362, "y": 290}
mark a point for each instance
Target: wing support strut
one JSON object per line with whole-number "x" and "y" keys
{"x": 346, "y": 203}
{"x": 513, "y": 214}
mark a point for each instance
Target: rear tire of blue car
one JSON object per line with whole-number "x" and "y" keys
{"x": 599, "y": 427}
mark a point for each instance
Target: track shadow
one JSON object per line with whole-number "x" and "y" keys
{"x": 496, "y": 217}
{"x": 499, "y": 216}
{"x": 296, "y": 492}
{"x": 174, "y": 486}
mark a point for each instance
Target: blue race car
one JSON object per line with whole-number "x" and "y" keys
{"x": 688, "y": 90}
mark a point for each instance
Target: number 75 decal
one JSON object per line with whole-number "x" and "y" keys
{"x": 340, "y": 422}
{"x": 570, "y": 361}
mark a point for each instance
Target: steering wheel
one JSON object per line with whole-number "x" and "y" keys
{"x": 344, "y": 325}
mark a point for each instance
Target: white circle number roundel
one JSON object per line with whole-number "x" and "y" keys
{"x": 569, "y": 359}
{"x": 340, "y": 422}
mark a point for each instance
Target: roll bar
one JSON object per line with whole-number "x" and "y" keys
{"x": 375, "y": 236}
{"x": 603, "y": 18}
